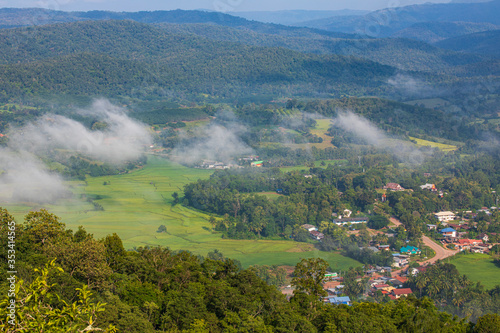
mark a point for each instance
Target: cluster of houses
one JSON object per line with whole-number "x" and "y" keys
{"x": 453, "y": 236}
{"x": 378, "y": 283}
{"x": 253, "y": 159}
{"x": 206, "y": 164}
{"x": 395, "y": 187}
{"x": 313, "y": 231}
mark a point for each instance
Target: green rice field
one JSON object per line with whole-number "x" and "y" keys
{"x": 478, "y": 267}
{"x": 137, "y": 203}
{"x": 441, "y": 146}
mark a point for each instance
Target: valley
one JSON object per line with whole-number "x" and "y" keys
{"x": 238, "y": 170}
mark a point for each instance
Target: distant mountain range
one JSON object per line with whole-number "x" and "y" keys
{"x": 219, "y": 54}
{"x": 432, "y": 32}
{"x": 388, "y": 22}
{"x": 404, "y": 54}
{"x": 486, "y": 42}
{"x": 295, "y": 17}
{"x": 18, "y": 17}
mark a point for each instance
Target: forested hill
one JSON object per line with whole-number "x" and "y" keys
{"x": 486, "y": 42}
{"x": 388, "y": 21}
{"x": 405, "y": 54}
{"x": 432, "y": 32}
{"x": 402, "y": 53}
{"x": 20, "y": 17}
{"x": 34, "y": 59}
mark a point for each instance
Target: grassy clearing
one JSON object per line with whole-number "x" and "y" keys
{"x": 478, "y": 267}
{"x": 441, "y": 146}
{"x": 137, "y": 203}
{"x": 321, "y": 128}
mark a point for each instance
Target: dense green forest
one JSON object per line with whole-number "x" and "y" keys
{"x": 128, "y": 58}
{"x": 402, "y": 53}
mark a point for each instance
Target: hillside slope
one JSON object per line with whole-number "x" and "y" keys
{"x": 386, "y": 22}
{"x": 90, "y": 51}
{"x": 402, "y": 53}
{"x": 486, "y": 43}
{"x": 432, "y": 32}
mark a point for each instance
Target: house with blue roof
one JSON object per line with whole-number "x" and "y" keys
{"x": 410, "y": 250}
{"x": 338, "y": 300}
{"x": 449, "y": 232}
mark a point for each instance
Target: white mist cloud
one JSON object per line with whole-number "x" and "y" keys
{"x": 361, "y": 127}
{"x": 368, "y": 132}
{"x": 23, "y": 177}
{"x": 216, "y": 143}
{"x": 408, "y": 85}
{"x": 121, "y": 141}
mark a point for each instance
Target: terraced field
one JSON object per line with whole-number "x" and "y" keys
{"x": 137, "y": 203}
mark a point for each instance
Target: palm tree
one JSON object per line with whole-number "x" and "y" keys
{"x": 421, "y": 281}
{"x": 459, "y": 298}
{"x": 464, "y": 281}
{"x": 433, "y": 288}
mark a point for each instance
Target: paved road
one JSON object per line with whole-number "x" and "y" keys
{"x": 441, "y": 252}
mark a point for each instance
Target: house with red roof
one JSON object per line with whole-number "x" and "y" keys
{"x": 401, "y": 279}
{"x": 397, "y": 293}
{"x": 316, "y": 235}
{"x": 466, "y": 244}
{"x": 416, "y": 270}
{"x": 381, "y": 286}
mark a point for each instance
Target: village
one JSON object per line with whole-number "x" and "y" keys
{"x": 450, "y": 234}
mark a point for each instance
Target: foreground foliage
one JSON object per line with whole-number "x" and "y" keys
{"x": 157, "y": 290}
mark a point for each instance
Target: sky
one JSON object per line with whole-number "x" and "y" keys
{"x": 217, "y": 5}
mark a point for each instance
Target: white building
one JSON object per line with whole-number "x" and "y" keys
{"x": 309, "y": 227}
{"x": 430, "y": 187}
{"x": 445, "y": 216}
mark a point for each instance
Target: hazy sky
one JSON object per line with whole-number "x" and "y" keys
{"x": 218, "y": 5}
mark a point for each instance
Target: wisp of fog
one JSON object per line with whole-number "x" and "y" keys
{"x": 368, "y": 132}
{"x": 215, "y": 142}
{"x": 23, "y": 177}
